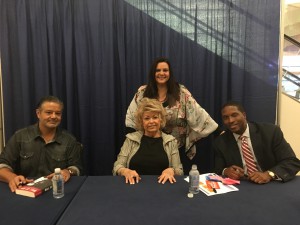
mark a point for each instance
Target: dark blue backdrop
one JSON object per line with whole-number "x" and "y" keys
{"x": 95, "y": 54}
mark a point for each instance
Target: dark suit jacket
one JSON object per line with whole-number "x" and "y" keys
{"x": 270, "y": 148}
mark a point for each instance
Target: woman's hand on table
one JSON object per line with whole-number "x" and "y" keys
{"x": 131, "y": 176}
{"x": 167, "y": 174}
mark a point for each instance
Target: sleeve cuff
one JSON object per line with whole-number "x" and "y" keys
{"x": 223, "y": 171}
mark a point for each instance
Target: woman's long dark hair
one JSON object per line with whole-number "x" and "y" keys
{"x": 173, "y": 87}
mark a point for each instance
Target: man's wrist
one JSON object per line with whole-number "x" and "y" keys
{"x": 272, "y": 175}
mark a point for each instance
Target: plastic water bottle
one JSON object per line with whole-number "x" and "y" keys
{"x": 194, "y": 180}
{"x": 58, "y": 184}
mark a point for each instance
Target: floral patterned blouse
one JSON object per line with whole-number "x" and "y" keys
{"x": 187, "y": 121}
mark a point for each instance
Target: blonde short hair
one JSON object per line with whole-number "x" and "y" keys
{"x": 150, "y": 105}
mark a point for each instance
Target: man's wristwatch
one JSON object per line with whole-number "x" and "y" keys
{"x": 273, "y": 175}
{"x": 71, "y": 172}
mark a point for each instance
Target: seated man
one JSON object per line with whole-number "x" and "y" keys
{"x": 256, "y": 151}
{"x": 37, "y": 150}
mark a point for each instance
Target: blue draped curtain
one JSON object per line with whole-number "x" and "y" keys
{"x": 95, "y": 54}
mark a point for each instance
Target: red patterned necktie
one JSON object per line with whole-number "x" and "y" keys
{"x": 248, "y": 156}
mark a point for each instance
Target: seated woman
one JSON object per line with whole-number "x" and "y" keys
{"x": 149, "y": 151}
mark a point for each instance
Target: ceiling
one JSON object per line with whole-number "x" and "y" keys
{"x": 292, "y": 20}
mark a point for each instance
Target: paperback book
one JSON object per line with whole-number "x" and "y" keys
{"x": 35, "y": 188}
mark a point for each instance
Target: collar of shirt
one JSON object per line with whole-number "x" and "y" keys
{"x": 246, "y": 133}
{"x": 57, "y": 137}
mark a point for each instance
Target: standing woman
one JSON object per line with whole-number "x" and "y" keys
{"x": 187, "y": 121}
{"x": 149, "y": 151}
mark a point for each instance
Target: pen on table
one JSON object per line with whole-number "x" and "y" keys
{"x": 213, "y": 187}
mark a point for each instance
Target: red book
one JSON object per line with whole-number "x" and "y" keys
{"x": 35, "y": 188}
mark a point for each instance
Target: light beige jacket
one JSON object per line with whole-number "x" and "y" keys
{"x": 132, "y": 144}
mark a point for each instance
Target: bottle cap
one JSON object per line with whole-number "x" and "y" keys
{"x": 57, "y": 170}
{"x": 194, "y": 166}
{"x": 190, "y": 195}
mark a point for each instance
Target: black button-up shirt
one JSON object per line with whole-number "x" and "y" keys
{"x": 27, "y": 154}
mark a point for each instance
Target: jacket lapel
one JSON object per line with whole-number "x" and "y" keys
{"x": 256, "y": 143}
{"x": 234, "y": 149}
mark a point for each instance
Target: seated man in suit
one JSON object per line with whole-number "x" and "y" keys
{"x": 37, "y": 150}
{"x": 256, "y": 151}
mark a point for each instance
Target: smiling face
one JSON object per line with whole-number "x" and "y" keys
{"x": 234, "y": 119}
{"x": 162, "y": 73}
{"x": 49, "y": 115}
{"x": 151, "y": 123}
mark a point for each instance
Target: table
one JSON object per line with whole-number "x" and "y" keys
{"x": 43, "y": 210}
{"x": 108, "y": 200}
